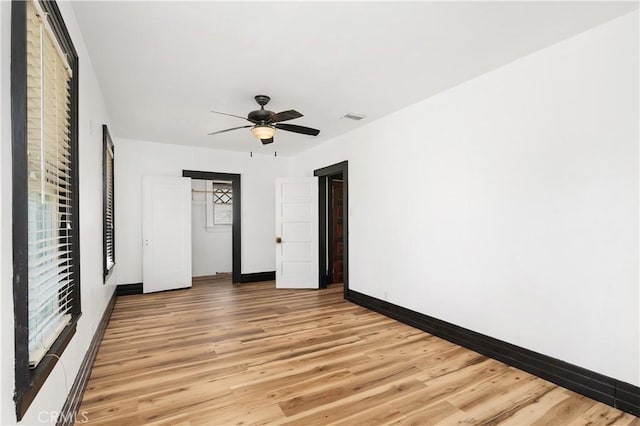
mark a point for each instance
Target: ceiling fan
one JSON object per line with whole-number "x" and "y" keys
{"x": 266, "y": 122}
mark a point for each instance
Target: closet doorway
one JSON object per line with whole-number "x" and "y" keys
{"x": 333, "y": 224}
{"x": 216, "y": 220}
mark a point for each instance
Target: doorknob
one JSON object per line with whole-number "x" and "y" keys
{"x": 278, "y": 240}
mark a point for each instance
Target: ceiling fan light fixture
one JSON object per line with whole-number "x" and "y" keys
{"x": 263, "y": 131}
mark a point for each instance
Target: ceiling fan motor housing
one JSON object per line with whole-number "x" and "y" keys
{"x": 260, "y": 115}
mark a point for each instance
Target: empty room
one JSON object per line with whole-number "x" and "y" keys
{"x": 314, "y": 213}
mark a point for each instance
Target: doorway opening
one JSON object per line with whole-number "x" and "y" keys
{"x": 211, "y": 222}
{"x": 219, "y": 194}
{"x": 333, "y": 224}
{"x": 335, "y": 229}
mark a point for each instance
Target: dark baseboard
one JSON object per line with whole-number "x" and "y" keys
{"x": 628, "y": 398}
{"x": 258, "y": 276}
{"x": 127, "y": 289}
{"x": 613, "y": 392}
{"x": 69, "y": 411}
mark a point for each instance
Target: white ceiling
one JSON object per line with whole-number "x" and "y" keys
{"x": 163, "y": 66}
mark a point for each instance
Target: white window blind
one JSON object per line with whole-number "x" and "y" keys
{"x": 109, "y": 228}
{"x": 50, "y": 260}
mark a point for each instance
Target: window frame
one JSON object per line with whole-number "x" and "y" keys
{"x": 29, "y": 381}
{"x": 108, "y": 155}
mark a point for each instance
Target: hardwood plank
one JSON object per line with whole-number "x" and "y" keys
{"x": 566, "y": 410}
{"x": 224, "y": 354}
{"x": 499, "y": 398}
{"x": 537, "y": 409}
{"x": 354, "y": 405}
{"x": 431, "y": 415}
{"x": 343, "y": 388}
{"x": 603, "y": 415}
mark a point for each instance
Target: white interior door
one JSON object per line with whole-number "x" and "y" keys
{"x": 297, "y": 232}
{"x": 166, "y": 233}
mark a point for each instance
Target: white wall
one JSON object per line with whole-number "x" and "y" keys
{"x": 95, "y": 295}
{"x": 211, "y": 247}
{"x": 514, "y": 207}
{"x": 258, "y": 173}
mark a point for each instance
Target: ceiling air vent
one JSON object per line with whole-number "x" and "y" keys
{"x": 354, "y": 116}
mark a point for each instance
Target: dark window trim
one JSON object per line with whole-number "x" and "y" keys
{"x": 323, "y": 176}
{"x": 107, "y": 143}
{"x": 236, "y": 226}
{"x": 29, "y": 381}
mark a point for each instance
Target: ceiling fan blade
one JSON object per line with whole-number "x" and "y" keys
{"x": 285, "y": 115}
{"x": 230, "y": 115}
{"x": 298, "y": 129}
{"x": 267, "y": 141}
{"x": 228, "y": 130}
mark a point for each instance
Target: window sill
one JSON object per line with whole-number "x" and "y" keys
{"x": 36, "y": 377}
{"x": 218, "y": 228}
{"x": 107, "y": 273}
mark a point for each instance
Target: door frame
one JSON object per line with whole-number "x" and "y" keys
{"x": 323, "y": 175}
{"x": 236, "y": 226}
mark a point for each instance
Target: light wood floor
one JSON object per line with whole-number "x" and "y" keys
{"x": 219, "y": 354}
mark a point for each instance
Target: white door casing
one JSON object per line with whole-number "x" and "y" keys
{"x": 166, "y": 233}
{"x": 297, "y": 228}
